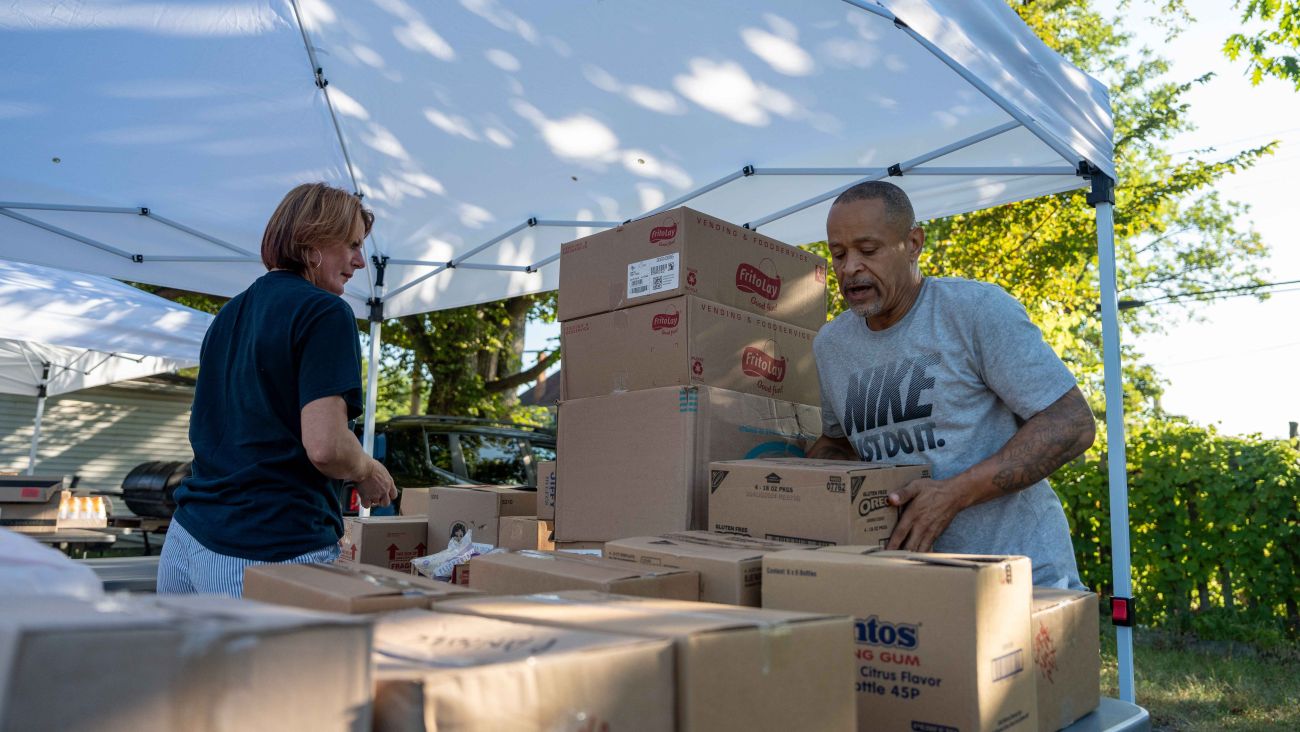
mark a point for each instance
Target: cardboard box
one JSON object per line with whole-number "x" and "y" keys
{"x": 354, "y": 589}
{"x": 525, "y": 532}
{"x": 384, "y": 541}
{"x": 30, "y": 503}
{"x": 526, "y": 572}
{"x": 942, "y": 640}
{"x": 415, "y": 502}
{"x": 145, "y": 662}
{"x": 456, "y": 510}
{"x": 730, "y": 567}
{"x": 590, "y": 548}
{"x": 1067, "y": 656}
{"x": 688, "y": 340}
{"x": 741, "y": 669}
{"x": 546, "y": 490}
{"x": 685, "y": 252}
{"x": 637, "y": 463}
{"x": 817, "y": 502}
{"x": 438, "y": 671}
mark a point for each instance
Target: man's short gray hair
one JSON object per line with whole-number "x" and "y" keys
{"x": 898, "y": 207}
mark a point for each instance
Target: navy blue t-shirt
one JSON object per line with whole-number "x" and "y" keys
{"x": 272, "y": 349}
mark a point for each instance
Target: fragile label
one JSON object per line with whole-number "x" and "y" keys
{"x": 653, "y": 275}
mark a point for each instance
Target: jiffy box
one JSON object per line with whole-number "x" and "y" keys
{"x": 805, "y": 501}
{"x": 741, "y": 669}
{"x": 131, "y": 663}
{"x": 384, "y": 541}
{"x": 355, "y": 589}
{"x": 526, "y": 572}
{"x": 730, "y": 567}
{"x": 688, "y": 340}
{"x": 685, "y": 252}
{"x": 456, "y": 510}
{"x": 546, "y": 490}
{"x": 942, "y": 640}
{"x": 436, "y": 671}
{"x": 637, "y": 463}
{"x": 1067, "y": 660}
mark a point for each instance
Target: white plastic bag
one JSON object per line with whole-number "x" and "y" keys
{"x": 28, "y": 567}
{"x": 439, "y": 566}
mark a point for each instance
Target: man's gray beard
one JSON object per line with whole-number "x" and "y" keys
{"x": 868, "y": 310}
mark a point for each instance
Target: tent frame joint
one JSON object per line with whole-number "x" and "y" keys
{"x": 381, "y": 264}
{"x": 137, "y": 258}
{"x": 144, "y": 210}
{"x": 896, "y": 170}
{"x": 321, "y": 81}
{"x": 1103, "y": 186}
{"x": 747, "y": 171}
{"x": 376, "y": 309}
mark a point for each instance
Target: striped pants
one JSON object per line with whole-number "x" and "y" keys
{"x": 187, "y": 567}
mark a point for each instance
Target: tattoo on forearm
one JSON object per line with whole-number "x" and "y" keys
{"x": 1047, "y": 441}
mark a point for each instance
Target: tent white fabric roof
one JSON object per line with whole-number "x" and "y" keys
{"x": 461, "y": 122}
{"x": 91, "y": 330}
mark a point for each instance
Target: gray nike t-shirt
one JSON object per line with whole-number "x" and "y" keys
{"x": 949, "y": 384}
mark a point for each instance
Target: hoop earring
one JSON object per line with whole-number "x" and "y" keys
{"x": 319, "y": 258}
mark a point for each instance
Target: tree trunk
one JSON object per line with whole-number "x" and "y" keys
{"x": 417, "y": 382}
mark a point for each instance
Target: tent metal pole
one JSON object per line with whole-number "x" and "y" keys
{"x": 196, "y": 233}
{"x": 134, "y": 211}
{"x": 1116, "y": 457}
{"x": 743, "y": 172}
{"x": 40, "y": 412}
{"x": 64, "y": 232}
{"x": 575, "y": 223}
{"x": 372, "y": 397}
{"x": 494, "y": 240}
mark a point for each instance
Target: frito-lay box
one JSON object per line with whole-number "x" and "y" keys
{"x": 688, "y": 340}
{"x": 526, "y": 572}
{"x": 1067, "y": 657}
{"x": 685, "y": 252}
{"x": 942, "y": 640}
{"x": 739, "y": 669}
{"x": 546, "y": 490}
{"x": 804, "y": 501}
{"x": 384, "y": 541}
{"x": 730, "y": 567}
{"x": 438, "y": 671}
{"x": 637, "y": 463}
{"x": 355, "y": 589}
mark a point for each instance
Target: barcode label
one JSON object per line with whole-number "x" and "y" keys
{"x": 1008, "y": 665}
{"x": 652, "y": 275}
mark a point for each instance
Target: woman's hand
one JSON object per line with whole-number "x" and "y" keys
{"x": 377, "y": 489}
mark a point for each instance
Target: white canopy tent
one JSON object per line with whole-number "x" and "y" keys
{"x": 151, "y": 141}
{"x": 62, "y": 332}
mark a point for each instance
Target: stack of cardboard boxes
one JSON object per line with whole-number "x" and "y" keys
{"x": 686, "y": 340}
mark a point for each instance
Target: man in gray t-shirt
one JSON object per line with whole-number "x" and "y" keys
{"x": 953, "y": 373}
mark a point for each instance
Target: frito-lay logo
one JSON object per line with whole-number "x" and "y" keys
{"x": 756, "y": 280}
{"x": 665, "y": 232}
{"x": 665, "y": 321}
{"x": 762, "y": 364}
{"x": 876, "y": 632}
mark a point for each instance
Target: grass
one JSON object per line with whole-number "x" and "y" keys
{"x": 1190, "y": 685}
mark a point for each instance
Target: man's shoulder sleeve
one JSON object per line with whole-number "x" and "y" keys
{"x": 1014, "y": 359}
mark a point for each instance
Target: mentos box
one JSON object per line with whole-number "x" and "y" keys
{"x": 688, "y": 340}
{"x": 685, "y": 252}
{"x": 942, "y": 640}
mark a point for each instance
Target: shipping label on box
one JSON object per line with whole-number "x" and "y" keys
{"x": 384, "y": 541}
{"x": 546, "y": 490}
{"x": 685, "y": 252}
{"x": 526, "y": 572}
{"x": 455, "y": 511}
{"x": 942, "y": 640}
{"x": 636, "y": 463}
{"x": 1067, "y": 657}
{"x": 525, "y": 532}
{"x": 688, "y": 340}
{"x": 353, "y": 589}
{"x": 439, "y": 671}
{"x": 817, "y": 502}
{"x": 739, "y": 669}
{"x": 730, "y": 567}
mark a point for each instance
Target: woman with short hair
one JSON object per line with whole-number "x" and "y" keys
{"x": 279, "y": 380}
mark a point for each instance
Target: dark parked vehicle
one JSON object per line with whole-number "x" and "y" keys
{"x": 436, "y": 450}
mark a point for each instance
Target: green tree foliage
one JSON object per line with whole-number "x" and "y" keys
{"x": 1271, "y": 51}
{"x": 465, "y": 361}
{"x": 1214, "y": 527}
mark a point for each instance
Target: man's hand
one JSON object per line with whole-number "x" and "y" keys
{"x": 926, "y": 508}
{"x": 377, "y": 489}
